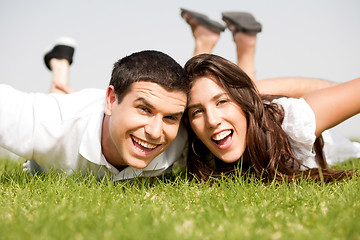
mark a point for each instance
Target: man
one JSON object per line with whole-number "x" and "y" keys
{"x": 123, "y": 133}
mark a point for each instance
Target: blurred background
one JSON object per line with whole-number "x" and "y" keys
{"x": 299, "y": 38}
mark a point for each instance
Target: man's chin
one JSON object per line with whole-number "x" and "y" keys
{"x": 139, "y": 161}
{"x": 139, "y": 164}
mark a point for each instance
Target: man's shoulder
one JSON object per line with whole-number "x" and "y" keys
{"x": 58, "y": 108}
{"x": 92, "y": 90}
{"x": 81, "y": 99}
{"x": 90, "y": 93}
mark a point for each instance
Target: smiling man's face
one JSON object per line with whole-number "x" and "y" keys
{"x": 142, "y": 125}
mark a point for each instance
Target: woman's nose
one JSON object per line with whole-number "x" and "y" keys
{"x": 213, "y": 118}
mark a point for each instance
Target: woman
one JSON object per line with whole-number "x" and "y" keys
{"x": 232, "y": 125}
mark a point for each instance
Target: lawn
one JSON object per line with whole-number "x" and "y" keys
{"x": 55, "y": 206}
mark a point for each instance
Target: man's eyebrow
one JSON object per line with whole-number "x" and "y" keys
{"x": 146, "y": 103}
{"x": 177, "y": 114}
{"x": 217, "y": 96}
{"x": 140, "y": 99}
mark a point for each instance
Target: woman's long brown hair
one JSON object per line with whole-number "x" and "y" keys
{"x": 268, "y": 154}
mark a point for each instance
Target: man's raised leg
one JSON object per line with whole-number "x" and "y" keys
{"x": 58, "y": 60}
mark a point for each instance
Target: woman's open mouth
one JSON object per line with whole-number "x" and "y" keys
{"x": 223, "y": 139}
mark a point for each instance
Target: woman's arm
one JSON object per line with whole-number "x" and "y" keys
{"x": 295, "y": 87}
{"x": 335, "y": 104}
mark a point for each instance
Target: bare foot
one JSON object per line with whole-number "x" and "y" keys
{"x": 245, "y": 49}
{"x": 205, "y": 39}
{"x": 246, "y": 40}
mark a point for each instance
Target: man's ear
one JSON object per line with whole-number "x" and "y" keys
{"x": 110, "y": 99}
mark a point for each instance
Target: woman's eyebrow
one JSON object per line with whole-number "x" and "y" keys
{"x": 217, "y": 96}
{"x": 194, "y": 105}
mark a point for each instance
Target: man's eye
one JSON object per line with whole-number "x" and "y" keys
{"x": 172, "y": 118}
{"x": 144, "y": 109}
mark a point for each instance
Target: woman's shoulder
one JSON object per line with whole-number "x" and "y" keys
{"x": 299, "y": 125}
{"x": 299, "y": 120}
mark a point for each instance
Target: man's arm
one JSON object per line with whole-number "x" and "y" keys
{"x": 16, "y": 121}
{"x": 295, "y": 87}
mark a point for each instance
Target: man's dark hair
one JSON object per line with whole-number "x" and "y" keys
{"x": 152, "y": 66}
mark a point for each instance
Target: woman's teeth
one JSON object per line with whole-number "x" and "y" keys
{"x": 221, "y": 135}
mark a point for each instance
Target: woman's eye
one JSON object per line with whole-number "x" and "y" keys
{"x": 196, "y": 112}
{"x": 223, "y": 101}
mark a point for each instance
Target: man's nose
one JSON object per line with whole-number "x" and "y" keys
{"x": 155, "y": 127}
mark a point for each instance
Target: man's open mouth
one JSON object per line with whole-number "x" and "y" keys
{"x": 143, "y": 146}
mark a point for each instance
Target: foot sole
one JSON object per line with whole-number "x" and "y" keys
{"x": 205, "y": 21}
{"x": 243, "y": 22}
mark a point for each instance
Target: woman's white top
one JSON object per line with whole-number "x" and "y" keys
{"x": 300, "y": 124}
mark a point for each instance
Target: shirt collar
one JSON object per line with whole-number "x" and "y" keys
{"x": 90, "y": 147}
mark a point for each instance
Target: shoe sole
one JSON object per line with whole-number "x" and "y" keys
{"x": 205, "y": 21}
{"x": 243, "y": 22}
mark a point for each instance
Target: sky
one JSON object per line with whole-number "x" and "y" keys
{"x": 305, "y": 38}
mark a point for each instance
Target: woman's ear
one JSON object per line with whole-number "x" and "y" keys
{"x": 110, "y": 99}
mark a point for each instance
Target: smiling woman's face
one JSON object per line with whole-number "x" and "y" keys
{"x": 217, "y": 120}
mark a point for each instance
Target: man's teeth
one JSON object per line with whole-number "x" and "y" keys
{"x": 144, "y": 144}
{"x": 222, "y": 135}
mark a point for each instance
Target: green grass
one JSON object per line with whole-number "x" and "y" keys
{"x": 60, "y": 207}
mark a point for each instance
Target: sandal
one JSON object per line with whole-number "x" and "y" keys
{"x": 243, "y": 22}
{"x": 205, "y": 21}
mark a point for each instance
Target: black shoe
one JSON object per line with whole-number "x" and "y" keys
{"x": 63, "y": 49}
